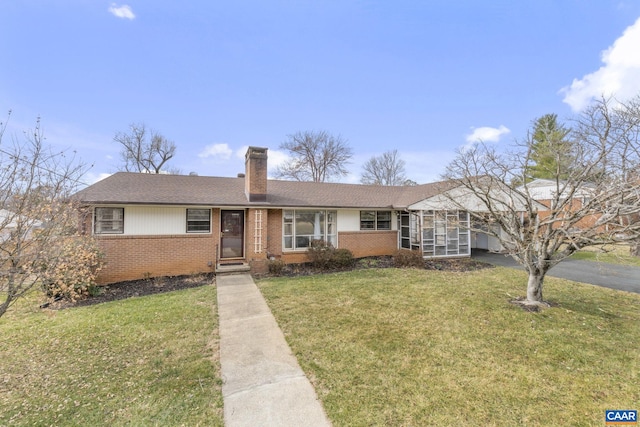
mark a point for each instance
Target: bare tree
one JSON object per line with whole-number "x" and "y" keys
{"x": 144, "y": 150}
{"x": 35, "y": 212}
{"x": 315, "y": 156}
{"x": 595, "y": 201}
{"x": 386, "y": 169}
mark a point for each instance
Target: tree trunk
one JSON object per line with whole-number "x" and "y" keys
{"x": 534, "y": 287}
{"x": 634, "y": 248}
{"x": 5, "y": 306}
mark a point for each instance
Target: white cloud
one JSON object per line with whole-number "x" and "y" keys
{"x": 93, "y": 177}
{"x": 220, "y": 151}
{"x": 276, "y": 158}
{"x": 124, "y": 11}
{"x": 619, "y": 76}
{"x": 486, "y": 134}
{"x": 240, "y": 153}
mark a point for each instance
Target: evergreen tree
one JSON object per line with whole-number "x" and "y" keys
{"x": 552, "y": 154}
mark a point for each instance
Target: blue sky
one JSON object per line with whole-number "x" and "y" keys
{"x": 422, "y": 77}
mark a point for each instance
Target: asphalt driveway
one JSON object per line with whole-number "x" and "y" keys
{"x": 612, "y": 276}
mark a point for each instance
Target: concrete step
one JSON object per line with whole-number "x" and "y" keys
{"x": 233, "y": 268}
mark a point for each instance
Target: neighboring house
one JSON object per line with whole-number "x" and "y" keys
{"x": 561, "y": 196}
{"x": 10, "y": 222}
{"x": 547, "y": 190}
{"x": 155, "y": 225}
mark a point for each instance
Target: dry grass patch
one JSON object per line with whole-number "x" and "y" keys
{"x": 142, "y": 361}
{"x": 415, "y": 347}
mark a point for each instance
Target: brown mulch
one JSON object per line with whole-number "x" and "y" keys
{"x": 138, "y": 288}
{"x": 456, "y": 264}
{"x": 452, "y": 264}
{"x": 142, "y": 287}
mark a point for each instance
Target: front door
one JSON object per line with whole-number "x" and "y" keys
{"x": 232, "y": 234}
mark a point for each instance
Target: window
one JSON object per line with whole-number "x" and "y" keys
{"x": 383, "y": 220}
{"x": 405, "y": 230}
{"x": 109, "y": 221}
{"x": 445, "y": 233}
{"x": 367, "y": 220}
{"x": 375, "y": 220}
{"x": 198, "y": 220}
{"x": 301, "y": 227}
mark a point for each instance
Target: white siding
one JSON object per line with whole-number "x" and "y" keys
{"x": 541, "y": 193}
{"x": 484, "y": 241}
{"x": 464, "y": 199}
{"x": 151, "y": 220}
{"x": 155, "y": 220}
{"x": 348, "y": 220}
{"x": 542, "y": 189}
{"x": 495, "y": 245}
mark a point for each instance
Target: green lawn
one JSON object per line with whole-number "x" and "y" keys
{"x": 393, "y": 347}
{"x": 150, "y": 361}
{"x": 618, "y": 254}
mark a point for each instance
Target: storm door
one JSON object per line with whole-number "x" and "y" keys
{"x": 231, "y": 234}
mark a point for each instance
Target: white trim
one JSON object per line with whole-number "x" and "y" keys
{"x": 257, "y": 234}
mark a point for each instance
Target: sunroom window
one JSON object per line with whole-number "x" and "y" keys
{"x": 445, "y": 233}
{"x": 301, "y": 227}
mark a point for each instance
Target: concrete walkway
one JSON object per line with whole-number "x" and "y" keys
{"x": 263, "y": 384}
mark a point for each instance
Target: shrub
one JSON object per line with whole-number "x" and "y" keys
{"x": 368, "y": 263}
{"x": 72, "y": 271}
{"x": 320, "y": 253}
{"x": 276, "y": 266}
{"x": 342, "y": 258}
{"x": 324, "y": 256}
{"x": 406, "y": 258}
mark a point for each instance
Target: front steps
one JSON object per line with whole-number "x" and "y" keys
{"x": 232, "y": 268}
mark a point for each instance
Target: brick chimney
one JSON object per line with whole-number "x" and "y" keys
{"x": 255, "y": 180}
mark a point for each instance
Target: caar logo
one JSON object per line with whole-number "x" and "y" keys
{"x": 621, "y": 417}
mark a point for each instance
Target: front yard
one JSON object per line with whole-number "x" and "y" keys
{"x": 614, "y": 254}
{"x": 414, "y": 347}
{"x": 142, "y": 361}
{"x": 382, "y": 346}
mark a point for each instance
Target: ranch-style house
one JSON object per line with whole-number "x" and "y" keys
{"x": 156, "y": 225}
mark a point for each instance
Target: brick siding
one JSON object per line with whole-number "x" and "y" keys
{"x": 369, "y": 243}
{"x": 274, "y": 232}
{"x": 136, "y": 257}
{"x": 588, "y": 221}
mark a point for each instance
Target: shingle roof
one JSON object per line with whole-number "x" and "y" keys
{"x": 149, "y": 189}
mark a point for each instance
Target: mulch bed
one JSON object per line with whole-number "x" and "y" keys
{"x": 142, "y": 287}
{"x": 453, "y": 264}
{"x": 137, "y": 288}
{"x": 456, "y": 264}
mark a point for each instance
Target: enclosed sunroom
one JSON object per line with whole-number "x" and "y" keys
{"x": 437, "y": 233}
